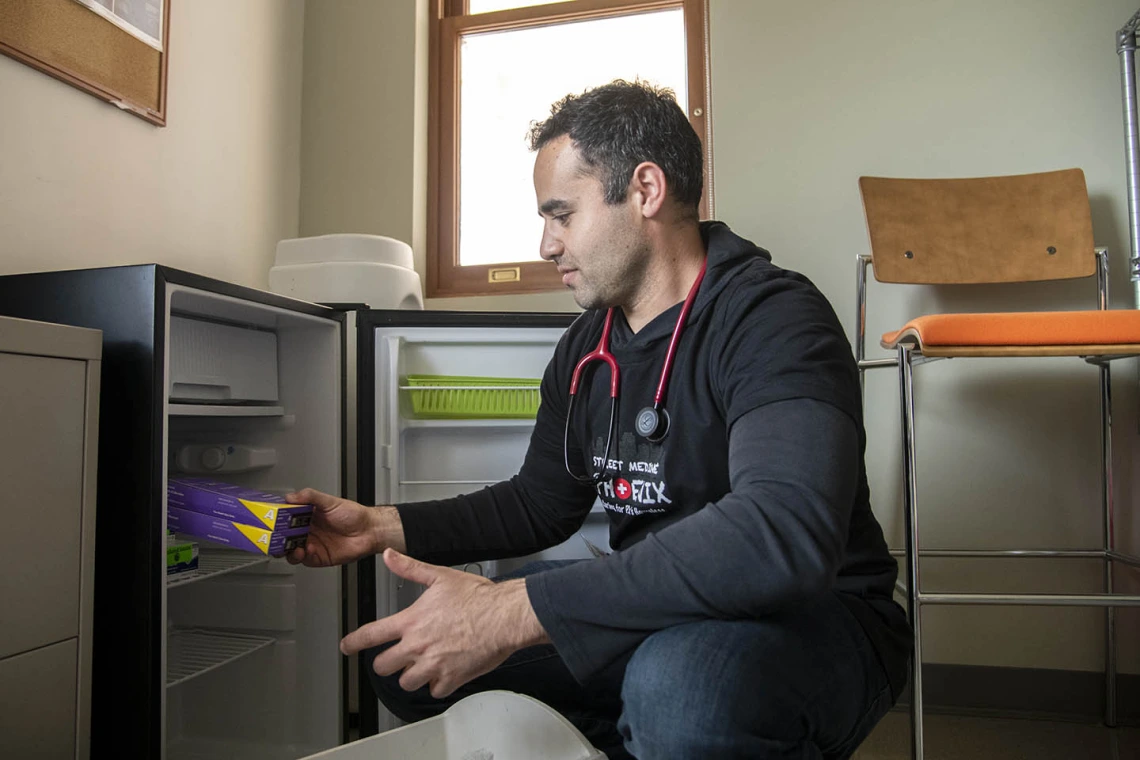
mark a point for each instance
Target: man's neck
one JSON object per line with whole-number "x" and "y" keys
{"x": 669, "y": 277}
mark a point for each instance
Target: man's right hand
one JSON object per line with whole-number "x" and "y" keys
{"x": 343, "y": 531}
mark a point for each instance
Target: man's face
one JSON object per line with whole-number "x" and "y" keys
{"x": 599, "y": 249}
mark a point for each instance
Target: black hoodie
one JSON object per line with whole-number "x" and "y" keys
{"x": 686, "y": 545}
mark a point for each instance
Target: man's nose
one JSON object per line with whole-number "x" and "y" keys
{"x": 550, "y": 246}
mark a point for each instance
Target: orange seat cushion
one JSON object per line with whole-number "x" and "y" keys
{"x": 1035, "y": 328}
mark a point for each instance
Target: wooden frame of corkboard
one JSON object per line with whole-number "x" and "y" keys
{"x": 71, "y": 43}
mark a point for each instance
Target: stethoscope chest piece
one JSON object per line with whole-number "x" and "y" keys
{"x": 652, "y": 425}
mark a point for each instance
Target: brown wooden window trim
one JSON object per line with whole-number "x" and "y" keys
{"x": 448, "y": 20}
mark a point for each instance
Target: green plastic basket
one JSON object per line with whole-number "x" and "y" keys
{"x": 456, "y": 397}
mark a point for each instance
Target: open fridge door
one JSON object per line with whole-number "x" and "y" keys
{"x": 454, "y": 431}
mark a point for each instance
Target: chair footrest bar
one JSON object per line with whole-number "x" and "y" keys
{"x": 878, "y": 363}
{"x": 1000, "y": 553}
{"x": 1126, "y": 559}
{"x": 1042, "y": 600}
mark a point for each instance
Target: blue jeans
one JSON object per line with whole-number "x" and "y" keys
{"x": 803, "y": 683}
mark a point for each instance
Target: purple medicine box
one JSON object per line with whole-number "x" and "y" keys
{"x": 236, "y": 504}
{"x": 248, "y": 538}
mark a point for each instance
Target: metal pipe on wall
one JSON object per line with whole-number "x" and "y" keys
{"x": 1126, "y": 49}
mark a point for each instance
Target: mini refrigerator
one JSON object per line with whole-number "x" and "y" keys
{"x": 241, "y": 659}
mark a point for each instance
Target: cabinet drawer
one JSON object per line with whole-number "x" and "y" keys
{"x": 41, "y": 466}
{"x": 216, "y": 363}
{"x": 38, "y": 691}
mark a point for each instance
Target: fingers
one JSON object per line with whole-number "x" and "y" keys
{"x": 411, "y": 569}
{"x": 440, "y": 688}
{"x": 372, "y": 635}
{"x": 313, "y": 559}
{"x": 397, "y": 658}
{"x": 392, "y": 660}
{"x": 313, "y": 554}
{"x": 300, "y": 497}
{"x": 416, "y": 673}
{"x": 416, "y": 676}
{"x": 314, "y": 497}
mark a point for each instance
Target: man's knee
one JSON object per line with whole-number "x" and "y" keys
{"x": 685, "y": 696}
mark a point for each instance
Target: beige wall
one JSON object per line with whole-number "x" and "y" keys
{"x": 359, "y": 137}
{"x": 807, "y": 97}
{"x": 85, "y": 184}
{"x": 364, "y": 150}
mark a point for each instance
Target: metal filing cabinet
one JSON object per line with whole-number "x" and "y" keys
{"x": 49, "y": 413}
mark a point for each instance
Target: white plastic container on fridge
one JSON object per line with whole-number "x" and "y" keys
{"x": 371, "y": 270}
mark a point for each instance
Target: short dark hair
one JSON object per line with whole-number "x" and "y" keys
{"x": 619, "y": 125}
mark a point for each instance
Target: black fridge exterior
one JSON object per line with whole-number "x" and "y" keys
{"x": 128, "y": 304}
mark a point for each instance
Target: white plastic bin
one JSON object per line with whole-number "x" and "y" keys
{"x": 348, "y": 268}
{"x": 493, "y": 725}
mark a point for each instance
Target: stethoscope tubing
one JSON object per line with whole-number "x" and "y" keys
{"x": 602, "y": 353}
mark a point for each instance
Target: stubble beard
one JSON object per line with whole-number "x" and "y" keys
{"x": 617, "y": 284}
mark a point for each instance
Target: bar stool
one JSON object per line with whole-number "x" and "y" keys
{"x": 1021, "y": 228}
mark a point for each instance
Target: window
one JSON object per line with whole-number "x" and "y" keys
{"x": 497, "y": 66}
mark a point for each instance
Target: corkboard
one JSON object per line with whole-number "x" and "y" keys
{"x": 67, "y": 41}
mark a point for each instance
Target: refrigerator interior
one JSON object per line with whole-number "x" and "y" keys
{"x": 252, "y": 666}
{"x": 423, "y": 459}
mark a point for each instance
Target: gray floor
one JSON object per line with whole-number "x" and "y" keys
{"x": 956, "y": 737}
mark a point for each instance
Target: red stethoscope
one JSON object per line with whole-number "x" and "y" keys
{"x": 652, "y": 422}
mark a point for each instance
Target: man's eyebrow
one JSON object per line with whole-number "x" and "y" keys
{"x": 552, "y": 205}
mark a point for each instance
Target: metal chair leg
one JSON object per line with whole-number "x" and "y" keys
{"x": 1109, "y": 544}
{"x": 910, "y": 511}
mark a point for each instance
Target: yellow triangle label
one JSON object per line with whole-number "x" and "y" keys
{"x": 263, "y": 511}
{"x": 256, "y": 536}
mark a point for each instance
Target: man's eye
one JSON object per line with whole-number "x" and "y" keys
{"x": 563, "y": 219}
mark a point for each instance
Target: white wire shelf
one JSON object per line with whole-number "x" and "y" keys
{"x": 191, "y": 652}
{"x": 224, "y": 410}
{"x": 215, "y": 562}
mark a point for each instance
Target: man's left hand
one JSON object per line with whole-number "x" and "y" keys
{"x": 461, "y": 627}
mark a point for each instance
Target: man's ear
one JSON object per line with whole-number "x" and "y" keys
{"x": 648, "y": 188}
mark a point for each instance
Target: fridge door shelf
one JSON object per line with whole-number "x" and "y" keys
{"x": 213, "y": 563}
{"x": 501, "y": 422}
{"x": 192, "y": 652}
{"x": 222, "y": 410}
{"x": 530, "y": 384}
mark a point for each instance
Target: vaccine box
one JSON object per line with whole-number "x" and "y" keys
{"x": 235, "y": 504}
{"x": 249, "y": 538}
{"x": 181, "y": 555}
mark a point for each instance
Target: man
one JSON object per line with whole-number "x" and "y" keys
{"x": 747, "y": 609}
